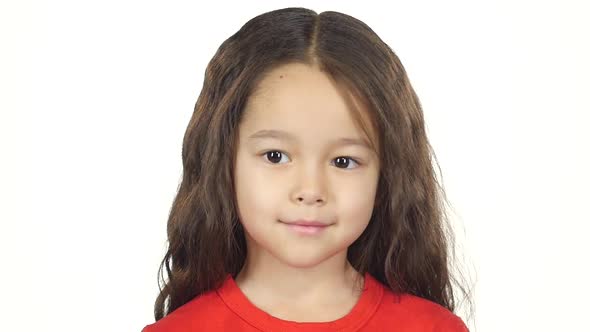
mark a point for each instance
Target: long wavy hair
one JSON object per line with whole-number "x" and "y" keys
{"x": 407, "y": 244}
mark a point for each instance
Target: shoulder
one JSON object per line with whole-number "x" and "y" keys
{"x": 191, "y": 316}
{"x": 418, "y": 314}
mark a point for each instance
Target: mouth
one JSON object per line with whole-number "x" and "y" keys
{"x": 306, "y": 228}
{"x": 304, "y": 222}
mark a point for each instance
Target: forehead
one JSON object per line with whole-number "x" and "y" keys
{"x": 302, "y": 99}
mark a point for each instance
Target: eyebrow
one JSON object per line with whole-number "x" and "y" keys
{"x": 278, "y": 134}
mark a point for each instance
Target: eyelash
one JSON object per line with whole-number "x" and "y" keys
{"x": 263, "y": 154}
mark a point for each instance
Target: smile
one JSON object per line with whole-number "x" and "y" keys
{"x": 306, "y": 230}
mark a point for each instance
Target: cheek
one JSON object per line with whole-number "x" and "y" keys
{"x": 256, "y": 194}
{"x": 356, "y": 205}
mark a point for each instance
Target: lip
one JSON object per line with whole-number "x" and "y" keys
{"x": 302, "y": 222}
{"x": 306, "y": 227}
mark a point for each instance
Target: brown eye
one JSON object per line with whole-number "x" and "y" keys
{"x": 344, "y": 161}
{"x": 274, "y": 156}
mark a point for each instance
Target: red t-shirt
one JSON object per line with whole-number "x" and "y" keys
{"x": 378, "y": 309}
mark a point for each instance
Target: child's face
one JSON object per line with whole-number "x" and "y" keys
{"x": 309, "y": 176}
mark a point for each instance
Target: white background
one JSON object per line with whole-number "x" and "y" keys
{"x": 95, "y": 97}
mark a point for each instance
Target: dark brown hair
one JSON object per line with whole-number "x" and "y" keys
{"x": 407, "y": 244}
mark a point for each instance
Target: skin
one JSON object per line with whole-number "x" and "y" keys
{"x": 292, "y": 276}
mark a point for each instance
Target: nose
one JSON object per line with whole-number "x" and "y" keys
{"x": 309, "y": 198}
{"x": 310, "y": 187}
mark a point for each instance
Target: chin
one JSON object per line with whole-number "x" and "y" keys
{"x": 303, "y": 259}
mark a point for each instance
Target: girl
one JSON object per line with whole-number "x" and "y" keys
{"x": 308, "y": 200}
